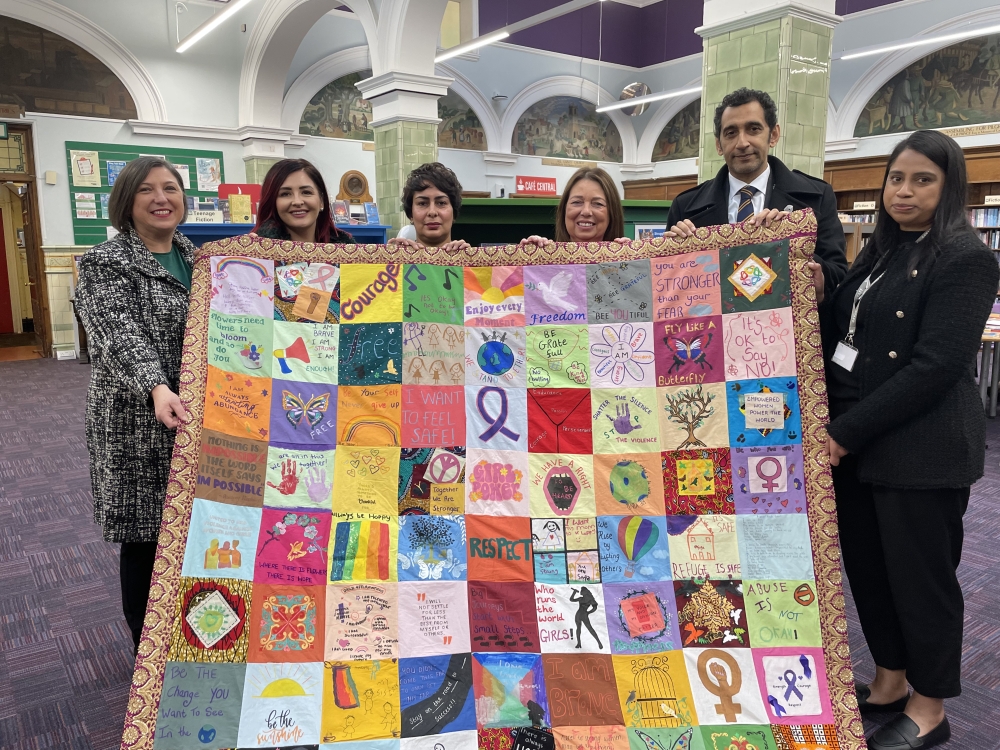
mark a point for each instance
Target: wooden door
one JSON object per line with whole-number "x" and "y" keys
{"x": 6, "y": 303}
{"x": 36, "y": 270}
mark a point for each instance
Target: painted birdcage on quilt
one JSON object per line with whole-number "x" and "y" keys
{"x": 655, "y": 696}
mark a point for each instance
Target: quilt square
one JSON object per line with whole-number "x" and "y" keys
{"x": 693, "y": 416}
{"x": 287, "y": 624}
{"x": 499, "y": 548}
{"x": 629, "y": 484}
{"x": 495, "y": 356}
{"x": 711, "y": 613}
{"x": 559, "y": 420}
{"x": 436, "y": 695}
{"x": 686, "y": 285}
{"x": 306, "y": 353}
{"x": 558, "y": 357}
{"x": 509, "y": 690}
{"x": 494, "y": 296}
{"x": 299, "y": 478}
{"x": 625, "y": 420}
{"x": 724, "y": 686}
{"x": 304, "y": 414}
{"x": 371, "y": 354}
{"x": 642, "y": 617}
{"x": 432, "y": 548}
{"x": 211, "y": 623}
{"x": 698, "y": 482}
{"x": 755, "y": 277}
{"x": 619, "y": 292}
{"x": 581, "y": 697}
{"x": 775, "y": 547}
{"x": 772, "y": 417}
{"x": 433, "y": 416}
{"x": 782, "y": 613}
{"x": 689, "y": 352}
{"x": 496, "y": 418}
{"x": 769, "y": 480}
{"x": 360, "y": 701}
{"x": 497, "y": 483}
{"x": 242, "y": 286}
{"x": 433, "y": 354}
{"x": 362, "y": 622}
{"x": 571, "y": 619}
{"x": 688, "y": 738}
{"x": 432, "y": 294}
{"x": 555, "y": 294}
{"x": 290, "y": 277}
{"x": 632, "y": 548}
{"x": 221, "y": 541}
{"x": 292, "y": 547}
{"x": 281, "y": 705}
{"x": 561, "y": 485}
{"x": 238, "y": 405}
{"x": 191, "y": 694}
{"x": 240, "y": 344}
{"x": 363, "y": 548}
{"x": 622, "y": 355}
{"x": 653, "y": 691}
{"x": 433, "y": 618}
{"x": 368, "y": 415}
{"x": 748, "y": 735}
{"x": 232, "y": 469}
{"x": 502, "y": 617}
{"x": 792, "y": 685}
{"x": 365, "y": 479}
{"x": 703, "y": 547}
{"x": 759, "y": 344}
{"x": 371, "y": 293}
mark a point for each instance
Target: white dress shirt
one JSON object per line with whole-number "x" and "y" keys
{"x": 735, "y": 185}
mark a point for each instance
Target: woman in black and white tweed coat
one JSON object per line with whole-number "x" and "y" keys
{"x": 133, "y": 300}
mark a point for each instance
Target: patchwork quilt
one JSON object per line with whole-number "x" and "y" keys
{"x": 570, "y": 497}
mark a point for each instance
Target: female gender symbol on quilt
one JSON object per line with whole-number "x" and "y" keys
{"x": 438, "y": 504}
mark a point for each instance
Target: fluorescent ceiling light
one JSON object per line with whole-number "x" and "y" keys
{"x": 479, "y": 41}
{"x": 513, "y": 28}
{"x": 624, "y": 103}
{"x": 916, "y": 42}
{"x": 210, "y": 25}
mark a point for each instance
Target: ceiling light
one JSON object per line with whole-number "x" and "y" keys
{"x": 650, "y": 98}
{"x": 206, "y": 28}
{"x": 916, "y": 42}
{"x": 476, "y": 43}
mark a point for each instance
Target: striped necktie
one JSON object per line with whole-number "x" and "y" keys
{"x": 745, "y": 211}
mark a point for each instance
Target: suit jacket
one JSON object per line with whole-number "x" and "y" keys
{"x": 134, "y": 313}
{"x": 920, "y": 422}
{"x": 708, "y": 205}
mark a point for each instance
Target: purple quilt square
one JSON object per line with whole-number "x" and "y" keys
{"x": 555, "y": 295}
{"x": 768, "y": 479}
{"x": 304, "y": 414}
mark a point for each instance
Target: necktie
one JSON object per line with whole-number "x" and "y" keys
{"x": 745, "y": 211}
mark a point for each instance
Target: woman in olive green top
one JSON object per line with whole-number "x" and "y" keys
{"x": 133, "y": 300}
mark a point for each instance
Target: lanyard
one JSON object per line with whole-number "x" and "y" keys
{"x": 866, "y": 285}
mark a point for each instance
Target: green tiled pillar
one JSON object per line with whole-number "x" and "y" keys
{"x": 400, "y": 147}
{"x": 257, "y": 166}
{"x": 786, "y": 54}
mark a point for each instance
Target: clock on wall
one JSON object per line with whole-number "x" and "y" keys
{"x": 354, "y": 188}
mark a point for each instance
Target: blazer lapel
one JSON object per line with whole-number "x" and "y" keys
{"x": 711, "y": 204}
{"x": 144, "y": 260}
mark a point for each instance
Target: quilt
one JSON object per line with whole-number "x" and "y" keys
{"x": 571, "y": 497}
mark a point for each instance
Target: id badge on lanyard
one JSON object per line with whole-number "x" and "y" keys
{"x": 846, "y": 354}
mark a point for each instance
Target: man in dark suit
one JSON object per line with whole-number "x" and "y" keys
{"x": 759, "y": 187}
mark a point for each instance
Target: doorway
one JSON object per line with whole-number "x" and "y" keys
{"x": 24, "y": 309}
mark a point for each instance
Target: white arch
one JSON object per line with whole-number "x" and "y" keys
{"x": 274, "y": 40}
{"x": 886, "y": 67}
{"x": 408, "y": 34}
{"x": 660, "y": 119}
{"x": 566, "y": 86}
{"x": 318, "y": 75}
{"x": 482, "y": 106}
{"x": 71, "y": 25}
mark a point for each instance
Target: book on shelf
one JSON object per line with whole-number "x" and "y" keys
{"x": 991, "y": 238}
{"x": 984, "y": 217}
{"x": 371, "y": 211}
{"x": 858, "y": 218}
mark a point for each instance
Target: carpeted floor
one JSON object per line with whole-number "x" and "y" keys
{"x": 66, "y": 656}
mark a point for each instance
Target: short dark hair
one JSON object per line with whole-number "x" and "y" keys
{"x": 616, "y": 214}
{"x": 434, "y": 174}
{"x": 950, "y": 217}
{"x": 275, "y": 178}
{"x": 127, "y": 184}
{"x": 744, "y": 96}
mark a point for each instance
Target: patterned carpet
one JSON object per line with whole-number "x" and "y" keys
{"x": 66, "y": 656}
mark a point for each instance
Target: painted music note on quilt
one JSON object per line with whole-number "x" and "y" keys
{"x": 578, "y": 490}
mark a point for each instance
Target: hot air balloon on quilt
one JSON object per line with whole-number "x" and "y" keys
{"x": 636, "y": 536}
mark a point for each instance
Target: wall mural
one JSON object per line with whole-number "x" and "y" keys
{"x": 459, "y": 126}
{"x": 957, "y": 85}
{"x": 682, "y": 135}
{"x": 339, "y": 111}
{"x": 564, "y": 126}
{"x": 43, "y": 72}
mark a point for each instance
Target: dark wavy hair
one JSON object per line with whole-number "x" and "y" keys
{"x": 616, "y": 214}
{"x": 744, "y": 96}
{"x": 127, "y": 184}
{"x": 275, "y": 178}
{"x": 950, "y": 218}
{"x": 434, "y": 174}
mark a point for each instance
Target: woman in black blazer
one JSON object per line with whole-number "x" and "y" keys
{"x": 907, "y": 431}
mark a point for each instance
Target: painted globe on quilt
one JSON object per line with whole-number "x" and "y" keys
{"x": 629, "y": 483}
{"x": 495, "y": 358}
{"x": 206, "y": 734}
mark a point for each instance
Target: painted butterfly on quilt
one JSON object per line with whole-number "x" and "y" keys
{"x": 313, "y": 409}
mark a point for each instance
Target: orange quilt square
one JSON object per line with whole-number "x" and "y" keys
{"x": 499, "y": 548}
